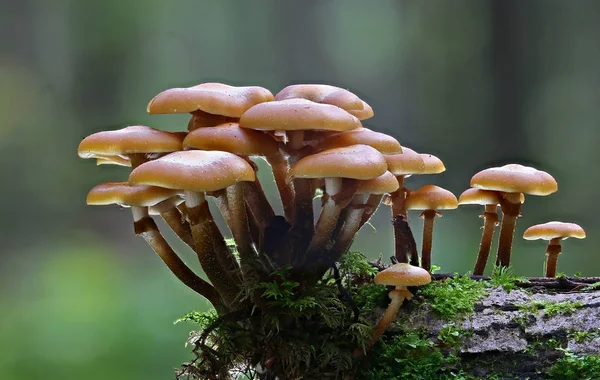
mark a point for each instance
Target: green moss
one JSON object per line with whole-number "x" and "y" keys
{"x": 454, "y": 296}
{"x": 582, "y": 336}
{"x": 504, "y": 277}
{"x": 452, "y": 335}
{"x": 550, "y": 308}
{"x": 575, "y": 367}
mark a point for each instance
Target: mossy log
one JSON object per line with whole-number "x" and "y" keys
{"x": 517, "y": 334}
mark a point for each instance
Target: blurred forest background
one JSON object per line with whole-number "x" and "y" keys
{"x": 477, "y": 83}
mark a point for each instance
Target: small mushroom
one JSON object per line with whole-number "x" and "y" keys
{"x": 197, "y": 172}
{"x": 360, "y": 162}
{"x": 512, "y": 180}
{"x": 554, "y": 232}
{"x": 400, "y": 275}
{"x": 140, "y": 198}
{"x": 429, "y": 198}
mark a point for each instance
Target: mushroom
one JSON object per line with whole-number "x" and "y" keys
{"x": 429, "y": 198}
{"x": 554, "y": 232}
{"x": 196, "y": 172}
{"x": 433, "y": 165}
{"x": 133, "y": 143}
{"x": 384, "y": 184}
{"x": 380, "y": 141}
{"x": 212, "y": 98}
{"x": 491, "y": 200}
{"x": 231, "y": 138}
{"x": 201, "y": 119}
{"x": 400, "y": 275}
{"x": 512, "y": 180}
{"x": 139, "y": 198}
{"x": 356, "y": 162}
{"x": 294, "y": 116}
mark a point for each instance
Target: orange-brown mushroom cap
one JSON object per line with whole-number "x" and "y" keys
{"x": 231, "y": 138}
{"x": 431, "y": 197}
{"x": 433, "y": 165}
{"x": 126, "y": 194}
{"x": 380, "y": 141}
{"x": 554, "y": 230}
{"x": 213, "y": 98}
{"x": 356, "y": 161}
{"x": 363, "y": 114}
{"x": 474, "y": 196}
{"x": 384, "y": 184}
{"x": 322, "y": 93}
{"x": 515, "y": 178}
{"x": 405, "y": 163}
{"x": 298, "y": 114}
{"x": 403, "y": 274}
{"x": 129, "y": 140}
{"x": 194, "y": 170}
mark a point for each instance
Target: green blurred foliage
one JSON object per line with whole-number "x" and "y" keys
{"x": 477, "y": 83}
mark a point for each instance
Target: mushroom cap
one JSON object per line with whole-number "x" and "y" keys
{"x": 403, "y": 274}
{"x": 322, "y": 93}
{"x": 363, "y": 114}
{"x": 213, "y": 98}
{"x": 482, "y": 197}
{"x": 515, "y": 178}
{"x": 554, "y": 230}
{"x": 194, "y": 170}
{"x": 126, "y": 194}
{"x": 384, "y": 184}
{"x": 128, "y": 140}
{"x": 405, "y": 163}
{"x": 431, "y": 197}
{"x": 356, "y": 161}
{"x": 377, "y": 140}
{"x": 229, "y": 137}
{"x": 201, "y": 119}
{"x": 433, "y": 165}
{"x": 298, "y": 114}
{"x": 113, "y": 160}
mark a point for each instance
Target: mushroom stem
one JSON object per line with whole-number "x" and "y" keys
{"x": 137, "y": 159}
{"x": 240, "y": 229}
{"x": 303, "y": 209}
{"x": 428, "y": 218}
{"x": 397, "y": 297}
{"x": 280, "y": 167}
{"x": 371, "y": 206}
{"x": 354, "y": 213}
{"x": 182, "y": 229}
{"x": 328, "y": 218}
{"x": 552, "y": 253}
{"x": 209, "y": 247}
{"x": 490, "y": 217}
{"x": 258, "y": 206}
{"x": 398, "y": 198}
{"x": 510, "y": 213}
{"x": 147, "y": 229}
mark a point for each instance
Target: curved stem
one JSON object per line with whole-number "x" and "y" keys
{"x": 329, "y": 216}
{"x": 240, "y": 229}
{"x": 182, "y": 229}
{"x": 351, "y": 225}
{"x": 258, "y": 208}
{"x": 428, "y": 218}
{"x": 146, "y": 228}
{"x": 510, "y": 212}
{"x": 490, "y": 217}
{"x": 280, "y": 167}
{"x": 209, "y": 245}
{"x": 552, "y": 253}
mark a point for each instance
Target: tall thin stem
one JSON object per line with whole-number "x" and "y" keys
{"x": 510, "y": 213}
{"x": 552, "y": 253}
{"x": 428, "y": 218}
{"x": 490, "y": 218}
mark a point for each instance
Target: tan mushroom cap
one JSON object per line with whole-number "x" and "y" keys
{"x": 554, "y": 230}
{"x": 356, "y": 161}
{"x": 201, "y": 119}
{"x": 298, "y": 114}
{"x": 380, "y": 141}
{"x": 403, "y": 274}
{"x": 405, "y": 163}
{"x": 481, "y": 197}
{"x": 363, "y": 114}
{"x": 213, "y": 98}
{"x": 433, "y": 165}
{"x": 126, "y": 194}
{"x": 134, "y": 139}
{"x": 431, "y": 197}
{"x": 322, "y": 93}
{"x": 231, "y": 138}
{"x": 384, "y": 184}
{"x": 194, "y": 170}
{"x": 515, "y": 178}
{"x": 112, "y": 160}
